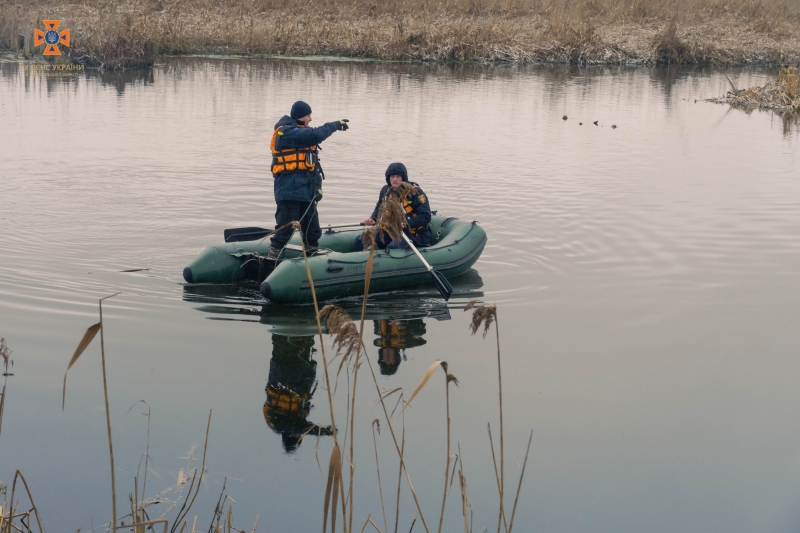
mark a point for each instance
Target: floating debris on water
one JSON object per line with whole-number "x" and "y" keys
{"x": 564, "y": 117}
{"x": 781, "y": 95}
{"x": 595, "y": 122}
{"x": 613, "y": 126}
{"x": 5, "y": 353}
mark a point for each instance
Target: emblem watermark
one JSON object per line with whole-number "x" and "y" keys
{"x": 38, "y": 69}
{"x": 51, "y": 38}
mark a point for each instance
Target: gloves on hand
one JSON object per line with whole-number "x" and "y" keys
{"x": 318, "y": 195}
{"x": 342, "y": 125}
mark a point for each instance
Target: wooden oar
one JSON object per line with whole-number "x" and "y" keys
{"x": 438, "y": 279}
{"x": 253, "y": 233}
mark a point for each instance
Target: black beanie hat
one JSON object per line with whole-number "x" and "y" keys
{"x": 300, "y": 109}
{"x": 398, "y": 169}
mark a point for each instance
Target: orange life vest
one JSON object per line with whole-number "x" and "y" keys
{"x": 292, "y": 159}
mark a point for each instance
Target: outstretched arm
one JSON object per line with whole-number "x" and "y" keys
{"x": 302, "y": 137}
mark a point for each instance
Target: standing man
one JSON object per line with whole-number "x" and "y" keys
{"x": 298, "y": 175}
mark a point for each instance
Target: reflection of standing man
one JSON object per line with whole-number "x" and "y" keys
{"x": 394, "y": 337}
{"x": 298, "y": 175}
{"x": 290, "y": 386}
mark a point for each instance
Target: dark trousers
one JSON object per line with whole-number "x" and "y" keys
{"x": 382, "y": 241}
{"x": 289, "y": 211}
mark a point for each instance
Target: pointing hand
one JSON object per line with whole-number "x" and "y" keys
{"x": 342, "y": 125}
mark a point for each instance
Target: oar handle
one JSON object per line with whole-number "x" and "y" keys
{"x": 411, "y": 245}
{"x": 328, "y": 228}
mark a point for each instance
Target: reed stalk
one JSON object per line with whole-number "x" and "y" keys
{"x": 324, "y": 364}
{"x": 400, "y": 473}
{"x": 187, "y": 504}
{"x": 519, "y": 485}
{"x": 108, "y": 419}
{"x": 502, "y": 445}
{"x": 146, "y": 464}
{"x": 378, "y": 469}
{"x": 462, "y": 482}
{"x": 367, "y": 278}
{"x": 494, "y": 456}
{"x": 485, "y": 315}
{"x": 447, "y": 379}
{"x": 19, "y": 475}
{"x": 3, "y": 402}
{"x": 321, "y": 341}
{"x": 219, "y": 508}
{"x": 397, "y": 446}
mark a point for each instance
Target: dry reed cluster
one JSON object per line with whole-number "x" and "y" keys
{"x": 126, "y": 34}
{"x": 339, "y": 493}
{"x": 348, "y": 341}
{"x": 391, "y": 218}
{"x": 14, "y": 519}
{"x": 782, "y": 94}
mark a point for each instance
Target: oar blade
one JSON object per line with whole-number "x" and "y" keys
{"x": 441, "y": 284}
{"x": 245, "y": 234}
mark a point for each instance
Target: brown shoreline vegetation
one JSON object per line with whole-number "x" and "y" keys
{"x": 782, "y": 94}
{"x": 116, "y": 34}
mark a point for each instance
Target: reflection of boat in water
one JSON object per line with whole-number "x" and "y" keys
{"x": 291, "y": 384}
{"x": 242, "y": 302}
{"x": 338, "y": 269}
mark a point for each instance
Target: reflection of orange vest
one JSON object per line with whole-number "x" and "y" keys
{"x": 393, "y": 335}
{"x": 283, "y": 401}
{"x": 292, "y": 159}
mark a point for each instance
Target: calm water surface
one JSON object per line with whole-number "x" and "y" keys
{"x": 646, "y": 278}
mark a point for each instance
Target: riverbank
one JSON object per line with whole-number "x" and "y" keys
{"x": 129, "y": 34}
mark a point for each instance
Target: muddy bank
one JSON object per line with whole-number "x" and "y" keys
{"x": 131, "y": 34}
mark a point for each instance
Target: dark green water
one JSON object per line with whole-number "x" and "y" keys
{"x": 646, "y": 278}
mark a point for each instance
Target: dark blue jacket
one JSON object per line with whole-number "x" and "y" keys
{"x": 301, "y": 185}
{"x": 418, "y": 219}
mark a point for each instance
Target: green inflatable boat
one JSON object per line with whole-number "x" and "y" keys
{"x": 337, "y": 269}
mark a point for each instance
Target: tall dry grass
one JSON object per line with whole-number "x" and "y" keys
{"x": 118, "y": 34}
{"x": 348, "y": 342}
{"x": 782, "y": 94}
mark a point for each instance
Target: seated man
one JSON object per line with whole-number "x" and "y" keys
{"x": 416, "y": 206}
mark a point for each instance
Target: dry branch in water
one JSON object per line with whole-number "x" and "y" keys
{"x": 5, "y": 353}
{"x": 782, "y": 94}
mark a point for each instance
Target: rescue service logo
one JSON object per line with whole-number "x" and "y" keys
{"x": 51, "y": 38}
